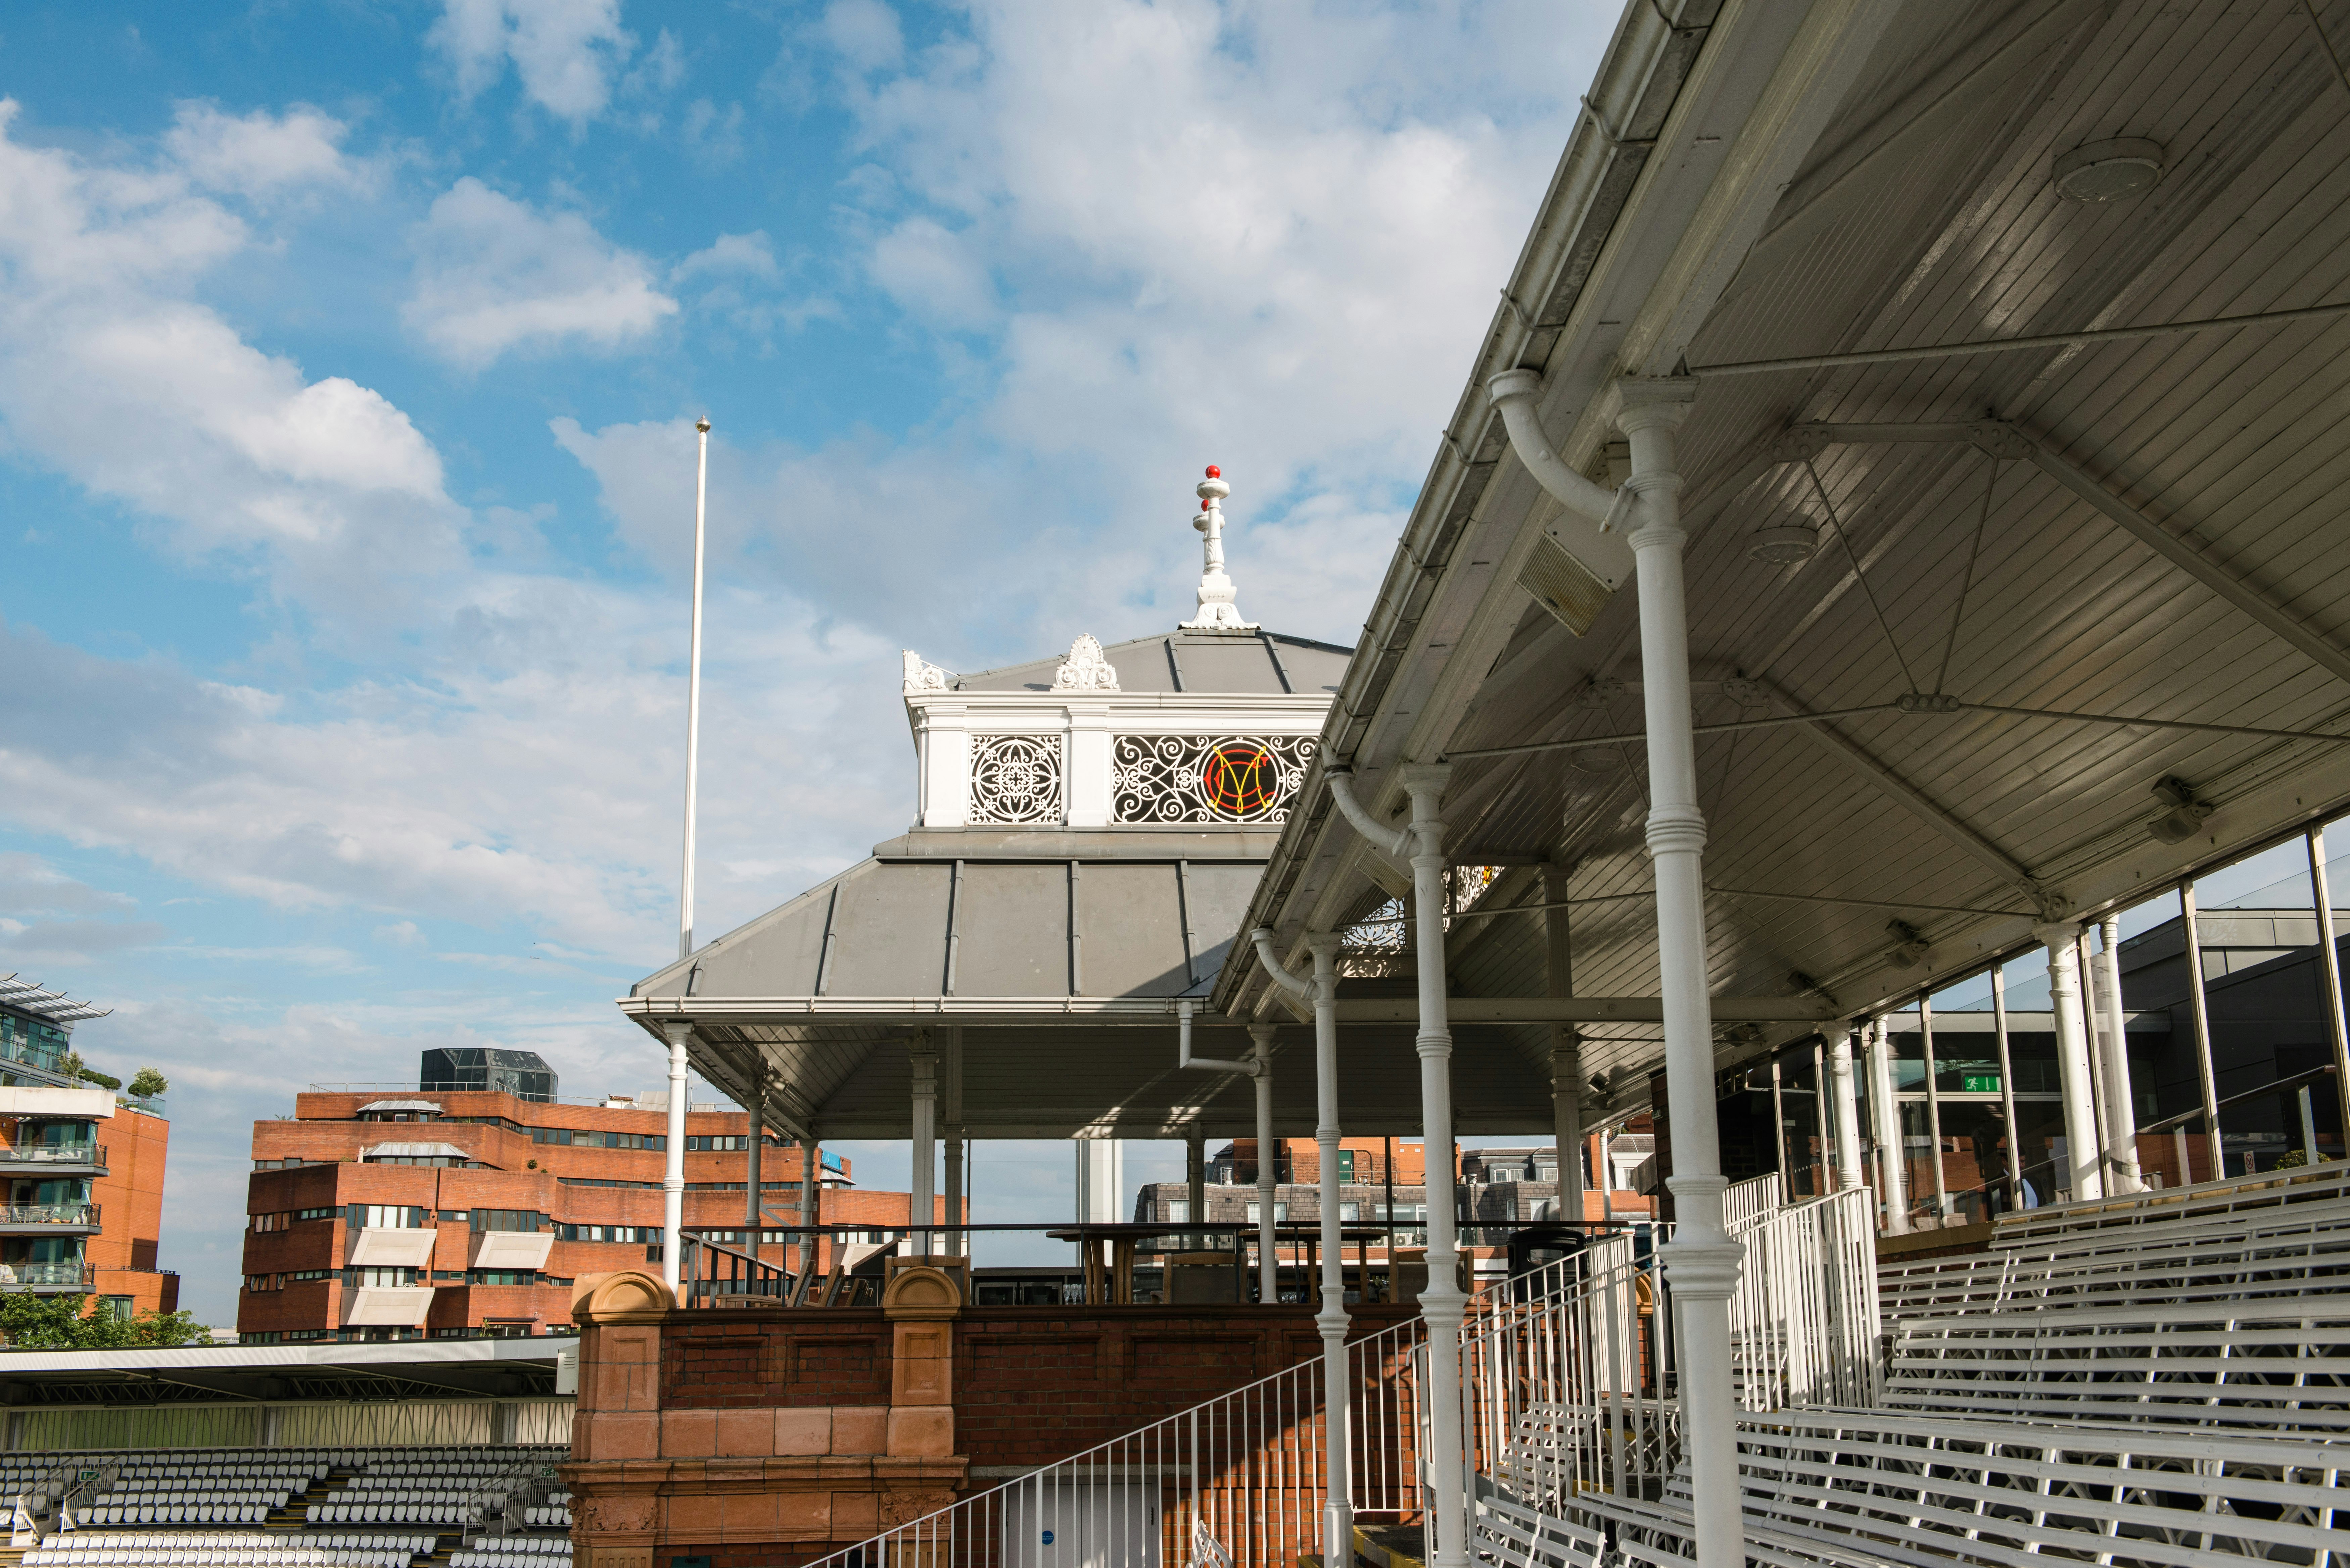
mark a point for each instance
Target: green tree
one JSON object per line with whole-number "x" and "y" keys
{"x": 147, "y": 1083}
{"x": 84, "y": 1323}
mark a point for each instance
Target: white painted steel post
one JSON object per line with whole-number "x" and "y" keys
{"x": 921, "y": 1208}
{"x": 2329, "y": 969}
{"x": 1268, "y": 1156}
{"x": 1442, "y": 1303}
{"x": 2072, "y": 1059}
{"x": 1885, "y": 1112}
{"x": 957, "y": 1242}
{"x": 1702, "y": 1263}
{"x": 693, "y": 695}
{"x": 673, "y": 1163}
{"x": 1566, "y": 1047}
{"x": 758, "y": 1109}
{"x": 2121, "y": 1115}
{"x": 1847, "y": 1113}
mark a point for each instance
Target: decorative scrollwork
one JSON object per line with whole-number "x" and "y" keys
{"x": 1206, "y": 778}
{"x": 1016, "y": 778}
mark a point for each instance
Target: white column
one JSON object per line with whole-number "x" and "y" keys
{"x": 1702, "y": 1261}
{"x": 2121, "y": 1115}
{"x": 1089, "y": 797}
{"x": 758, "y": 1109}
{"x": 1442, "y": 1303}
{"x": 944, "y": 731}
{"x": 1565, "y": 1047}
{"x": 923, "y": 1145}
{"x": 2072, "y": 1059}
{"x": 1884, "y": 1111}
{"x": 673, "y": 1169}
{"x": 1268, "y": 1159}
{"x": 1847, "y": 1112}
{"x": 1337, "y": 1509}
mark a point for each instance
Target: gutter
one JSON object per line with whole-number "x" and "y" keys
{"x": 1638, "y": 81}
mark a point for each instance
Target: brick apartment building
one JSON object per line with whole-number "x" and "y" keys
{"x": 83, "y": 1162}
{"x": 471, "y": 1206}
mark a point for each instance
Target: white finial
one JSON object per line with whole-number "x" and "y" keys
{"x": 1087, "y": 668}
{"x": 1216, "y": 591}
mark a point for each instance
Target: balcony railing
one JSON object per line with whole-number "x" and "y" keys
{"x": 49, "y": 1214}
{"x": 34, "y": 1276}
{"x": 56, "y": 1153}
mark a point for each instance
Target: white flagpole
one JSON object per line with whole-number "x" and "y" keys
{"x": 693, "y": 694}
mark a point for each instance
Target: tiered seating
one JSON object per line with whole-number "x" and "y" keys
{"x": 514, "y": 1551}
{"x": 136, "y": 1506}
{"x": 229, "y": 1549}
{"x": 2166, "y": 1384}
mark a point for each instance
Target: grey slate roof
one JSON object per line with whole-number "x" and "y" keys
{"x": 1249, "y": 663}
{"x": 984, "y": 928}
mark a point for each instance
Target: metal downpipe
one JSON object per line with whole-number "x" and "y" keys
{"x": 1268, "y": 1158}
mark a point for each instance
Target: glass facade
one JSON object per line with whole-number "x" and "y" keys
{"x": 523, "y": 1073}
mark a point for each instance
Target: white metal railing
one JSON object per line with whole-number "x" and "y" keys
{"x": 1805, "y": 1319}
{"x": 1238, "y": 1480}
{"x": 1745, "y": 1202}
{"x": 49, "y": 1214}
{"x": 1568, "y": 1387}
{"x": 1573, "y": 1386}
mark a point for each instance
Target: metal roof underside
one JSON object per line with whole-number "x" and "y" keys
{"x": 1922, "y": 212}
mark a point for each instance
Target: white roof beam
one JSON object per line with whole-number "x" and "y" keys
{"x": 2002, "y": 439}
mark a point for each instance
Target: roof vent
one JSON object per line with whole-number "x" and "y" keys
{"x": 2116, "y": 171}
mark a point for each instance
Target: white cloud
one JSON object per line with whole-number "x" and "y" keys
{"x": 752, "y": 254}
{"x": 865, "y": 32}
{"x": 399, "y": 934}
{"x": 110, "y": 375}
{"x": 565, "y": 52}
{"x": 493, "y": 275}
{"x": 259, "y": 154}
{"x": 934, "y": 274}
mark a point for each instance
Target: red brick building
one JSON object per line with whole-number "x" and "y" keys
{"x": 451, "y": 1214}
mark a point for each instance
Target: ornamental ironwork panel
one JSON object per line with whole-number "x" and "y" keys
{"x": 1016, "y": 778}
{"x": 1206, "y": 778}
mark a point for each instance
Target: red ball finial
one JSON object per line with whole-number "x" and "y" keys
{"x": 1214, "y": 473}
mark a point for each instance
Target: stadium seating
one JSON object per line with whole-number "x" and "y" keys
{"x": 343, "y": 1508}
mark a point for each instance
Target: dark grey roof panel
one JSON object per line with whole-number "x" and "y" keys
{"x": 1220, "y": 902}
{"x": 1220, "y": 662}
{"x": 1012, "y": 929}
{"x": 890, "y": 934}
{"x": 1130, "y": 924}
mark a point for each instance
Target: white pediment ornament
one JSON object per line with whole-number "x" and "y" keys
{"x": 1087, "y": 668}
{"x": 924, "y": 676}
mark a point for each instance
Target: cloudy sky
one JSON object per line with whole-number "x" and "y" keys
{"x": 349, "y": 358}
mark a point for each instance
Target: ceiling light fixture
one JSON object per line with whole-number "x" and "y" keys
{"x": 2186, "y": 817}
{"x": 1910, "y": 945}
{"x": 1788, "y": 547}
{"x": 2116, "y": 170}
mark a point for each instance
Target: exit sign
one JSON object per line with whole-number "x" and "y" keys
{"x": 1978, "y": 1082}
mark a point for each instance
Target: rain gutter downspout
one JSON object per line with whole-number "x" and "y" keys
{"x": 1321, "y": 989}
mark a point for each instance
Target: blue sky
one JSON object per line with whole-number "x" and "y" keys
{"x": 349, "y": 355}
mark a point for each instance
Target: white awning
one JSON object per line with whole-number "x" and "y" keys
{"x": 399, "y": 1105}
{"x": 413, "y": 1151}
